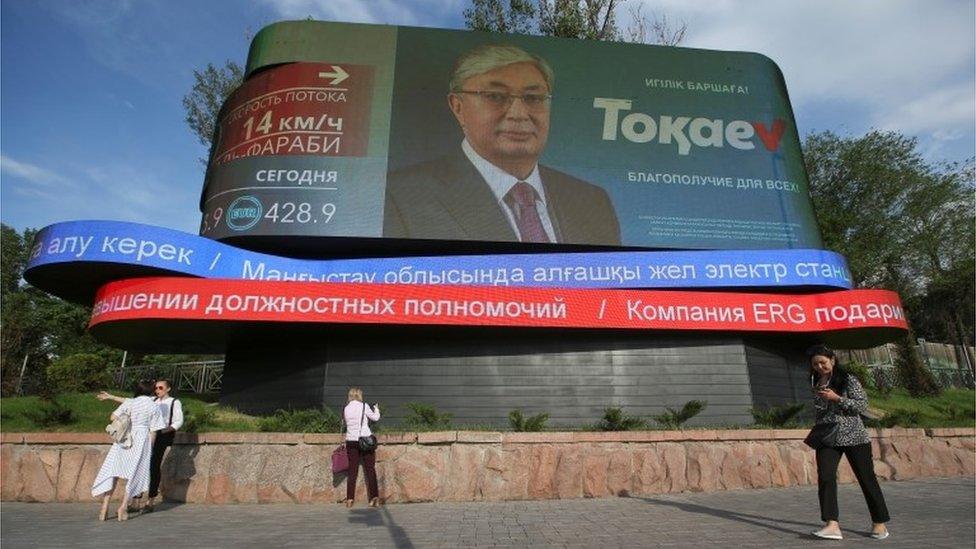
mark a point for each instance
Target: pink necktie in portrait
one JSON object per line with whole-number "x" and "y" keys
{"x": 526, "y": 215}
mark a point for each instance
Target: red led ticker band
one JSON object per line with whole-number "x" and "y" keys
{"x": 315, "y": 302}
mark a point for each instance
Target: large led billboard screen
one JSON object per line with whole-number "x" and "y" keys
{"x": 348, "y": 130}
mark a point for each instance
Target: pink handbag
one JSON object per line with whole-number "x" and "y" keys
{"x": 340, "y": 459}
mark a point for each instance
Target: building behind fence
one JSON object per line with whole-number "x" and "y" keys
{"x": 950, "y": 365}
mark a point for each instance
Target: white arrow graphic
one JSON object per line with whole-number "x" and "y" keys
{"x": 337, "y": 75}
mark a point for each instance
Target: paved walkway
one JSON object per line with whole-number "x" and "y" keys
{"x": 926, "y": 513}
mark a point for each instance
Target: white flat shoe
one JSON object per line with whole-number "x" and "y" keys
{"x": 822, "y": 534}
{"x": 882, "y": 535}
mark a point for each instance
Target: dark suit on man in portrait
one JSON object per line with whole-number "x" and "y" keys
{"x": 448, "y": 199}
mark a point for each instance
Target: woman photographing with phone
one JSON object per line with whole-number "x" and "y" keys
{"x": 360, "y": 445}
{"x": 839, "y": 400}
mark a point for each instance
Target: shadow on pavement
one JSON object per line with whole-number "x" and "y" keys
{"x": 381, "y": 517}
{"x": 755, "y": 520}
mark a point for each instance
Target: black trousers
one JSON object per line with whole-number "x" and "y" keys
{"x": 369, "y": 467}
{"x": 863, "y": 466}
{"x": 163, "y": 441}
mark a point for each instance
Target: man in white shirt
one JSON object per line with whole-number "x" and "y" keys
{"x": 493, "y": 188}
{"x": 172, "y": 411}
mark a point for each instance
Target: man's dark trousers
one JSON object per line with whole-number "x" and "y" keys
{"x": 164, "y": 439}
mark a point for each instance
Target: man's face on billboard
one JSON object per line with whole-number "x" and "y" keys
{"x": 503, "y": 125}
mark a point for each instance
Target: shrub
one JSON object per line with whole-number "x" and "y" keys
{"x": 425, "y": 417}
{"x": 911, "y": 373}
{"x": 956, "y": 412}
{"x": 198, "y": 418}
{"x": 862, "y": 372}
{"x": 883, "y": 382}
{"x": 78, "y": 374}
{"x": 614, "y": 419}
{"x": 51, "y": 413}
{"x": 901, "y": 418}
{"x": 311, "y": 420}
{"x": 674, "y": 419}
{"x": 776, "y": 416}
{"x": 532, "y": 424}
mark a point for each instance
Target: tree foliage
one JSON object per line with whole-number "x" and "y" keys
{"x": 580, "y": 19}
{"x": 36, "y": 325}
{"x": 211, "y": 87}
{"x": 902, "y": 222}
{"x": 513, "y": 16}
{"x": 78, "y": 373}
{"x": 912, "y": 374}
{"x": 584, "y": 20}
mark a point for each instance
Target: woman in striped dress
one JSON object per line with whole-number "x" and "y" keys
{"x": 132, "y": 463}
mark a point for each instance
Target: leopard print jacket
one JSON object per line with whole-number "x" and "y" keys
{"x": 846, "y": 413}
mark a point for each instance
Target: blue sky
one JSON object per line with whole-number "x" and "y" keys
{"x": 92, "y": 125}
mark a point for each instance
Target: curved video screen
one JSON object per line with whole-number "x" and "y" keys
{"x": 371, "y": 131}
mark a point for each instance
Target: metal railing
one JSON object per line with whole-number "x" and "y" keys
{"x": 949, "y": 364}
{"x": 947, "y": 378}
{"x": 187, "y": 377}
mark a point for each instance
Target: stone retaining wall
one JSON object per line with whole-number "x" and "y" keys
{"x": 472, "y": 466}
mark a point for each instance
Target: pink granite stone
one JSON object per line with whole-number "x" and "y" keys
{"x": 568, "y": 482}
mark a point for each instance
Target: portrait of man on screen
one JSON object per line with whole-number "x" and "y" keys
{"x": 492, "y": 187}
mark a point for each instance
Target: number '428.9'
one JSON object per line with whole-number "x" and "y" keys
{"x": 299, "y": 212}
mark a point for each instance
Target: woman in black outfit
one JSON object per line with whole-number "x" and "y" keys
{"x": 839, "y": 398}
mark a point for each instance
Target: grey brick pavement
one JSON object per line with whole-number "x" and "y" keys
{"x": 925, "y": 513}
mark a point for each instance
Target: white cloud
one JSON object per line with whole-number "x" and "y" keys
{"x": 898, "y": 64}
{"x": 35, "y": 193}
{"x": 30, "y": 172}
{"x": 121, "y": 192}
{"x": 941, "y": 112}
{"x": 135, "y": 195}
{"x": 115, "y": 35}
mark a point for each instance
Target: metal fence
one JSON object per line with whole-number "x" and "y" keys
{"x": 949, "y": 364}
{"x": 187, "y": 377}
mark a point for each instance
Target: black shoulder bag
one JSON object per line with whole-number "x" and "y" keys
{"x": 366, "y": 444}
{"x": 823, "y": 435}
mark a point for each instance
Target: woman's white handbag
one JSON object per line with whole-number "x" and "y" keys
{"x": 121, "y": 430}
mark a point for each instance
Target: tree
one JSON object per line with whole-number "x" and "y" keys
{"x": 35, "y": 325}
{"x": 581, "y": 19}
{"x": 584, "y": 20}
{"x": 211, "y": 87}
{"x": 661, "y": 30}
{"x": 911, "y": 373}
{"x": 514, "y": 16}
{"x": 18, "y": 331}
{"x": 902, "y": 223}
{"x": 13, "y": 258}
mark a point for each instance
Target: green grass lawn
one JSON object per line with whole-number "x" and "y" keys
{"x": 953, "y": 408}
{"x": 92, "y": 415}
